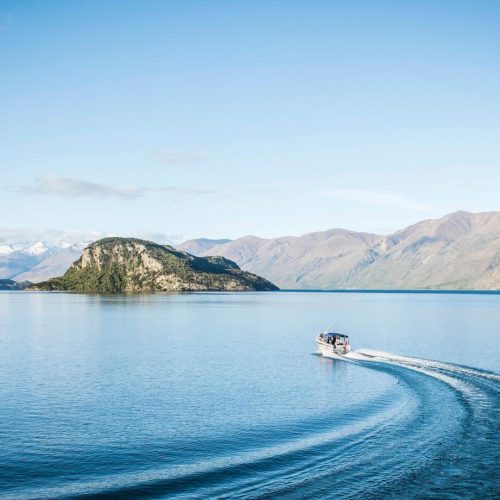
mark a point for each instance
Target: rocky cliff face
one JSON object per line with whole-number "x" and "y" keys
{"x": 128, "y": 264}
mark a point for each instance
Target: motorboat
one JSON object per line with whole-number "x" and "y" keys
{"x": 333, "y": 343}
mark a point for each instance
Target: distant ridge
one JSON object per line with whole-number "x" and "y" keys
{"x": 203, "y": 245}
{"x": 15, "y": 261}
{"x": 53, "y": 265}
{"x": 458, "y": 251}
{"x": 13, "y": 285}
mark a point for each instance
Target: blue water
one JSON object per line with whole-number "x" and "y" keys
{"x": 224, "y": 395}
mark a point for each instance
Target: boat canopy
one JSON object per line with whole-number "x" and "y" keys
{"x": 334, "y": 334}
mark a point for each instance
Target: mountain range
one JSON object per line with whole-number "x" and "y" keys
{"x": 458, "y": 251}
{"x": 37, "y": 261}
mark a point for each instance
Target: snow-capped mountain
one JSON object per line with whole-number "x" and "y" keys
{"x": 6, "y": 250}
{"x": 20, "y": 258}
{"x": 53, "y": 265}
{"x": 39, "y": 254}
{"x": 39, "y": 248}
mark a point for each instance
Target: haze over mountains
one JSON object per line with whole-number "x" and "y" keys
{"x": 458, "y": 251}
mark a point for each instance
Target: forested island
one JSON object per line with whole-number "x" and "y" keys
{"x": 134, "y": 265}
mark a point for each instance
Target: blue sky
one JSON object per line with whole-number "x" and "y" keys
{"x": 220, "y": 119}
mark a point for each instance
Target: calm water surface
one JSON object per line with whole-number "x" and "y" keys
{"x": 222, "y": 395}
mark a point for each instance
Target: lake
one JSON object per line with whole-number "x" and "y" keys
{"x": 209, "y": 395}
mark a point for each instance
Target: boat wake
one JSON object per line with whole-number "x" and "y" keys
{"x": 433, "y": 434}
{"x": 469, "y": 463}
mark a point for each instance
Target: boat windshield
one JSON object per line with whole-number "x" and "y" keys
{"x": 338, "y": 337}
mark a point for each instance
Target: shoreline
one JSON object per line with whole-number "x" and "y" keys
{"x": 374, "y": 291}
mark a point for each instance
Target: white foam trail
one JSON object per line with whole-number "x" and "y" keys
{"x": 433, "y": 369}
{"x": 425, "y": 362}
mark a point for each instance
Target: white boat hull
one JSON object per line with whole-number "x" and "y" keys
{"x": 331, "y": 351}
